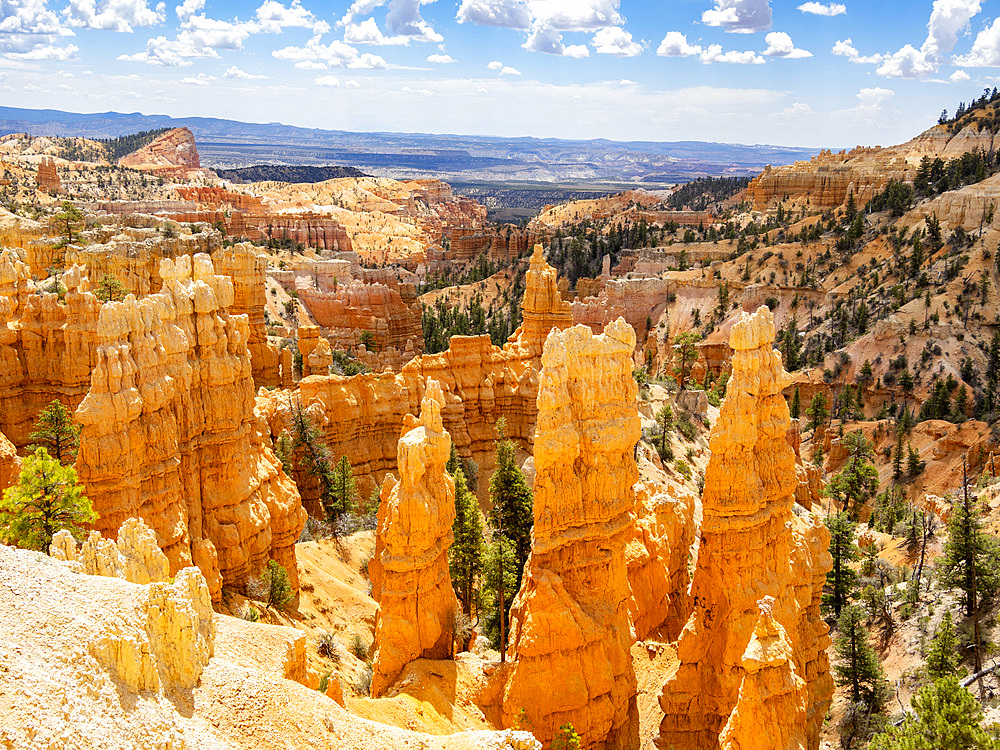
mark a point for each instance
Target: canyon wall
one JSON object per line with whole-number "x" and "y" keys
{"x": 570, "y": 625}
{"x": 752, "y": 547}
{"x": 169, "y": 432}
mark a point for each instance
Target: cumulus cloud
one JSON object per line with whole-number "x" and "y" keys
{"x": 442, "y": 59}
{"x": 202, "y": 37}
{"x": 494, "y": 65}
{"x": 328, "y": 81}
{"x": 336, "y": 54}
{"x": 113, "y": 15}
{"x": 403, "y": 21}
{"x": 675, "y": 44}
{"x": 614, "y": 40}
{"x": 30, "y": 31}
{"x": 46, "y": 52}
{"x": 368, "y": 32}
{"x": 948, "y": 19}
{"x": 507, "y": 70}
{"x": 739, "y": 16}
{"x": 985, "y": 50}
{"x": 546, "y": 21}
{"x": 959, "y": 76}
{"x": 235, "y": 72}
{"x": 779, "y": 44}
{"x": 846, "y": 48}
{"x": 819, "y": 9}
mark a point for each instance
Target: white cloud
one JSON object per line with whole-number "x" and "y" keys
{"x": 114, "y": 15}
{"x": 713, "y": 54}
{"x": 616, "y": 41}
{"x": 503, "y": 13}
{"x": 404, "y": 19}
{"x": 442, "y": 59}
{"x": 368, "y": 32}
{"x": 328, "y": 81}
{"x": 547, "y": 20}
{"x": 819, "y": 9}
{"x": 985, "y": 50}
{"x": 578, "y": 51}
{"x": 360, "y": 8}
{"x": 675, "y": 44}
{"x": 494, "y": 65}
{"x": 235, "y": 72}
{"x": 948, "y": 19}
{"x": 874, "y": 97}
{"x": 846, "y": 48}
{"x": 422, "y": 92}
{"x": 335, "y": 54}
{"x": 739, "y": 16}
{"x": 506, "y": 70}
{"x": 959, "y": 76}
{"x": 273, "y": 18}
{"x": 352, "y": 84}
{"x": 779, "y": 44}
{"x": 310, "y": 65}
{"x": 47, "y": 52}
{"x": 199, "y": 80}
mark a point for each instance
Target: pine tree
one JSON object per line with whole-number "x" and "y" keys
{"x": 686, "y": 346}
{"x": 45, "y": 500}
{"x": 513, "y": 503}
{"x": 855, "y": 484}
{"x": 913, "y": 463}
{"x": 818, "y": 410}
{"x": 498, "y": 591}
{"x": 946, "y": 716}
{"x": 57, "y": 432}
{"x": 942, "y": 655}
{"x": 665, "y": 418}
{"x": 791, "y": 345}
{"x": 796, "y": 408}
{"x": 468, "y": 550}
{"x": 906, "y": 382}
{"x": 841, "y": 579}
{"x": 343, "y": 489}
{"x": 897, "y": 457}
{"x": 858, "y": 668}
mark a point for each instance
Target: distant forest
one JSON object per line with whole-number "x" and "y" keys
{"x": 706, "y": 193}
{"x": 287, "y": 173}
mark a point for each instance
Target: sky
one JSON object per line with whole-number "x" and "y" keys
{"x": 812, "y": 74}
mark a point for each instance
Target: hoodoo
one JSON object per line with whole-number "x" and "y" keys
{"x": 753, "y": 550}
{"x": 416, "y": 601}
{"x": 570, "y": 625}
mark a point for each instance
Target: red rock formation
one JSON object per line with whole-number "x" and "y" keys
{"x": 48, "y": 178}
{"x": 169, "y": 431}
{"x": 570, "y": 634}
{"x": 542, "y": 308}
{"x": 174, "y": 152}
{"x": 416, "y": 601}
{"x": 752, "y": 547}
{"x": 10, "y": 464}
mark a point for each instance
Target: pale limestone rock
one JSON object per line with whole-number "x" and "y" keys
{"x": 570, "y": 626}
{"x": 752, "y": 546}
{"x": 416, "y": 600}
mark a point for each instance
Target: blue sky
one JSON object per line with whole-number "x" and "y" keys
{"x": 743, "y": 71}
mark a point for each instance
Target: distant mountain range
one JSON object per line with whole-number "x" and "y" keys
{"x": 459, "y": 159}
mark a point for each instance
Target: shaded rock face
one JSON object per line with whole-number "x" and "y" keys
{"x": 751, "y": 547}
{"x": 416, "y": 601}
{"x": 169, "y": 432}
{"x": 570, "y": 626}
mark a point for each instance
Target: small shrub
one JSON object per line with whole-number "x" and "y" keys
{"x": 272, "y": 587}
{"x": 566, "y": 738}
{"x": 249, "y": 613}
{"x": 326, "y": 645}
{"x": 364, "y": 683}
{"x": 358, "y": 647}
{"x": 324, "y": 681}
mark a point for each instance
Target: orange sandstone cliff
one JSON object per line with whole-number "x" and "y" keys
{"x": 752, "y": 547}
{"x": 570, "y": 626}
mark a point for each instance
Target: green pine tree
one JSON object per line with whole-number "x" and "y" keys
{"x": 818, "y": 410}
{"x": 841, "y": 579}
{"x": 468, "y": 551}
{"x": 855, "y": 484}
{"x": 942, "y": 654}
{"x": 343, "y": 490}
{"x": 665, "y": 418}
{"x": 858, "y": 668}
{"x": 57, "y": 432}
{"x": 796, "y": 408}
{"x": 946, "y": 717}
{"x": 45, "y": 500}
{"x": 971, "y": 557}
{"x": 512, "y": 515}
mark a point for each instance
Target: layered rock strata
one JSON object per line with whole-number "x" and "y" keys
{"x": 416, "y": 601}
{"x": 542, "y": 308}
{"x": 570, "y": 626}
{"x": 169, "y": 432}
{"x": 752, "y": 546}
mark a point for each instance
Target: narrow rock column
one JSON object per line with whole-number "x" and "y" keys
{"x": 417, "y": 603}
{"x": 753, "y": 550}
{"x": 570, "y": 625}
